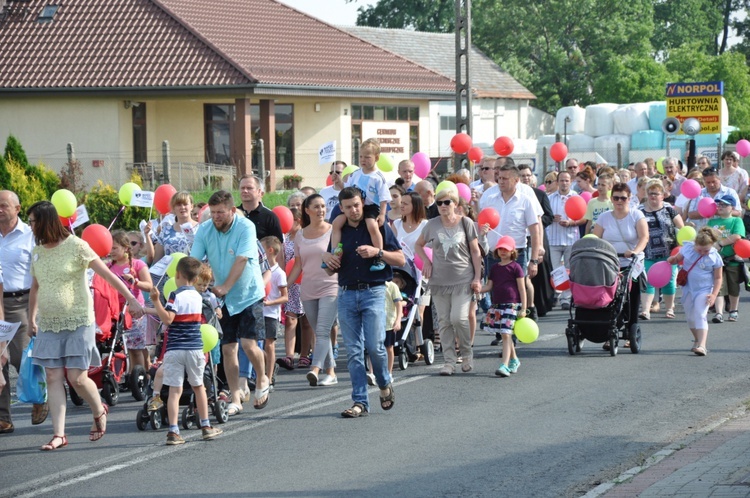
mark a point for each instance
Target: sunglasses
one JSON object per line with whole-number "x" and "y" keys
{"x": 654, "y": 193}
{"x": 336, "y": 172}
{"x": 134, "y": 243}
{"x": 619, "y": 198}
{"x": 485, "y": 169}
{"x": 446, "y": 202}
{"x": 549, "y": 182}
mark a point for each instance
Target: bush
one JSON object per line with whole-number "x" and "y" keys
{"x": 103, "y": 204}
{"x": 4, "y": 175}
{"x": 28, "y": 188}
{"x": 14, "y": 150}
{"x": 47, "y": 178}
{"x": 738, "y": 135}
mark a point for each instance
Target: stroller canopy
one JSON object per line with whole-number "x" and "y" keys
{"x": 594, "y": 262}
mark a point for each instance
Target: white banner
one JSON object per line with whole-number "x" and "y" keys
{"x": 8, "y": 330}
{"x": 559, "y": 276}
{"x": 82, "y": 216}
{"x": 327, "y": 152}
{"x": 161, "y": 266}
{"x": 142, "y": 198}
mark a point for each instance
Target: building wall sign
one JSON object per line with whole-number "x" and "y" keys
{"x": 392, "y": 135}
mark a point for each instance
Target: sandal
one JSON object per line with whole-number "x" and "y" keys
{"x": 626, "y": 345}
{"x": 287, "y": 362}
{"x": 234, "y": 409}
{"x": 260, "y": 394}
{"x": 101, "y": 425}
{"x": 51, "y": 445}
{"x": 387, "y": 402}
{"x": 670, "y": 313}
{"x": 357, "y": 410}
{"x": 733, "y": 316}
{"x": 645, "y": 315}
{"x": 655, "y": 308}
{"x": 303, "y": 362}
{"x": 700, "y": 351}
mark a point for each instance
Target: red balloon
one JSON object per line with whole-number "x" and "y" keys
{"x": 595, "y": 195}
{"x": 489, "y": 216}
{"x": 475, "y": 154}
{"x": 69, "y": 220}
{"x": 285, "y": 216}
{"x": 289, "y": 266}
{"x": 575, "y": 207}
{"x": 329, "y": 181}
{"x": 558, "y": 151}
{"x": 163, "y": 197}
{"x": 461, "y": 143}
{"x": 742, "y": 248}
{"x": 268, "y": 289}
{"x": 503, "y": 146}
{"x": 99, "y": 239}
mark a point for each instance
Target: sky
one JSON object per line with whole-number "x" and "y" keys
{"x": 331, "y": 11}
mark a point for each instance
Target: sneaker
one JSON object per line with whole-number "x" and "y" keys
{"x": 718, "y": 318}
{"x": 155, "y": 403}
{"x": 371, "y": 379}
{"x": 513, "y": 365}
{"x": 502, "y": 371}
{"x": 377, "y": 265}
{"x": 531, "y": 313}
{"x": 312, "y": 378}
{"x": 565, "y": 306}
{"x": 174, "y": 439}
{"x": 210, "y": 432}
{"x": 496, "y": 342}
{"x": 446, "y": 371}
{"x": 328, "y": 380}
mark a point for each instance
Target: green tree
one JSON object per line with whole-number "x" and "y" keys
{"x": 14, "y": 150}
{"x": 422, "y": 15}
{"x": 4, "y": 174}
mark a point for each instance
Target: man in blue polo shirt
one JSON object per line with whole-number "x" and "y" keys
{"x": 361, "y": 303}
{"x": 231, "y": 246}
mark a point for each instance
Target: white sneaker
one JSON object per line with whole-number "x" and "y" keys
{"x": 371, "y": 379}
{"x": 328, "y": 380}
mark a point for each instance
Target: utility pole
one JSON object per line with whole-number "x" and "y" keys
{"x": 463, "y": 80}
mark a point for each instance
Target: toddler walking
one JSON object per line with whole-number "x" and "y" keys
{"x": 506, "y": 282}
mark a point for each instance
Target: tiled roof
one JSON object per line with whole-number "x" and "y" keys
{"x": 437, "y": 51}
{"x": 168, "y": 44}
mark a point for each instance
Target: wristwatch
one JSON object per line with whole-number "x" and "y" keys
{"x": 380, "y": 254}
{"x": 535, "y": 261}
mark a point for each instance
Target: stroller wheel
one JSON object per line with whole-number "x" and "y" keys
{"x": 74, "y": 397}
{"x": 220, "y": 411}
{"x": 571, "y": 342}
{"x": 155, "y": 420}
{"x": 137, "y": 383}
{"x": 613, "y": 346}
{"x": 141, "y": 419}
{"x": 403, "y": 360}
{"x": 635, "y": 338}
{"x": 110, "y": 391}
{"x": 428, "y": 351}
{"x": 188, "y": 418}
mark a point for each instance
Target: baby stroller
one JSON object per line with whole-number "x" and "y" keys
{"x": 599, "y": 310}
{"x": 406, "y": 346}
{"x": 111, "y": 376}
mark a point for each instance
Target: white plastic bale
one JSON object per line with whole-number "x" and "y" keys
{"x": 606, "y": 146}
{"x": 647, "y": 140}
{"x": 599, "y": 121}
{"x": 631, "y": 118}
{"x": 577, "y": 116}
{"x": 541, "y": 143}
{"x": 580, "y": 143}
{"x": 657, "y": 113}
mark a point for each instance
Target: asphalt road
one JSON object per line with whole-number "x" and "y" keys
{"x": 558, "y": 428}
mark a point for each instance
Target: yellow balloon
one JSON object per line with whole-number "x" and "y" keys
{"x": 526, "y": 330}
{"x": 169, "y": 287}
{"x": 446, "y": 184}
{"x": 385, "y": 163}
{"x": 126, "y": 192}
{"x": 65, "y": 202}
{"x": 349, "y": 170}
{"x": 172, "y": 268}
{"x": 590, "y": 236}
{"x": 685, "y": 234}
{"x": 210, "y": 337}
{"x": 660, "y": 165}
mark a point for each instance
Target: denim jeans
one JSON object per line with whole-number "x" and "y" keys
{"x": 362, "y": 320}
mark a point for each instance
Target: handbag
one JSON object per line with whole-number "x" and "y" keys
{"x": 32, "y": 380}
{"x": 682, "y": 275}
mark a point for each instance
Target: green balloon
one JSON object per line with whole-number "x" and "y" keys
{"x": 172, "y": 268}
{"x": 685, "y": 234}
{"x": 446, "y": 184}
{"x": 526, "y": 330}
{"x": 65, "y": 203}
{"x": 385, "y": 163}
{"x": 126, "y": 192}
{"x": 349, "y": 170}
{"x": 590, "y": 236}
{"x": 169, "y": 287}
{"x": 210, "y": 337}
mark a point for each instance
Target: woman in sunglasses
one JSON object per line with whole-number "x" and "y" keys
{"x": 455, "y": 274}
{"x": 550, "y": 183}
{"x": 626, "y": 229}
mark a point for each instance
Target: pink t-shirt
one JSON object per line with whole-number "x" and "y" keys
{"x": 316, "y": 283}
{"x": 135, "y": 269}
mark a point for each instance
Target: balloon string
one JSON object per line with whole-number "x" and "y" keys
{"x": 116, "y": 216}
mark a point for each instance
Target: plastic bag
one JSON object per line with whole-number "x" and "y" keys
{"x": 32, "y": 380}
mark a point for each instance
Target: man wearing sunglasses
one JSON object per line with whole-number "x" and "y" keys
{"x": 331, "y": 193}
{"x": 486, "y": 175}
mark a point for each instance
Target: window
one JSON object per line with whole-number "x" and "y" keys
{"x": 218, "y": 129}
{"x": 48, "y": 13}
{"x": 284, "y": 135}
{"x": 447, "y": 123}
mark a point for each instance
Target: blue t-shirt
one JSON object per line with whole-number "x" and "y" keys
{"x": 701, "y": 276}
{"x": 185, "y": 331}
{"x": 222, "y": 248}
{"x": 354, "y": 269}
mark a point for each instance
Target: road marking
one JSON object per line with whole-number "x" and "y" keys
{"x": 83, "y": 473}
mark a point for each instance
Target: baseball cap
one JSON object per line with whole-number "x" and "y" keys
{"x": 727, "y": 199}
{"x": 506, "y": 242}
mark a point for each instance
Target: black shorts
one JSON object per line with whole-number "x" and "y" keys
{"x": 371, "y": 211}
{"x": 247, "y": 324}
{"x": 390, "y": 338}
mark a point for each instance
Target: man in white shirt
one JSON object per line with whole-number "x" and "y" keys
{"x": 16, "y": 243}
{"x": 331, "y": 193}
{"x": 672, "y": 170}
{"x": 640, "y": 170}
{"x": 563, "y": 232}
{"x": 713, "y": 189}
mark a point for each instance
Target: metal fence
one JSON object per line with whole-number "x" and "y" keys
{"x": 185, "y": 175}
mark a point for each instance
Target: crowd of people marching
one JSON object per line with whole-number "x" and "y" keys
{"x": 329, "y": 272}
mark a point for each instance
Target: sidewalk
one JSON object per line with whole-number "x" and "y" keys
{"x": 713, "y": 463}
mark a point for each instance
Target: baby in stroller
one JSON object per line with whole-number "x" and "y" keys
{"x": 600, "y": 310}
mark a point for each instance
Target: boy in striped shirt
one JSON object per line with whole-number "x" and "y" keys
{"x": 182, "y": 315}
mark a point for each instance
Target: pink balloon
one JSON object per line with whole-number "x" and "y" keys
{"x": 707, "y": 207}
{"x": 464, "y": 191}
{"x": 586, "y": 196}
{"x": 660, "y": 274}
{"x": 422, "y": 164}
{"x": 418, "y": 261}
{"x": 690, "y": 189}
{"x": 428, "y": 252}
{"x": 542, "y": 187}
{"x": 743, "y": 148}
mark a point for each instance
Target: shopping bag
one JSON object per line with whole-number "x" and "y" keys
{"x": 32, "y": 381}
